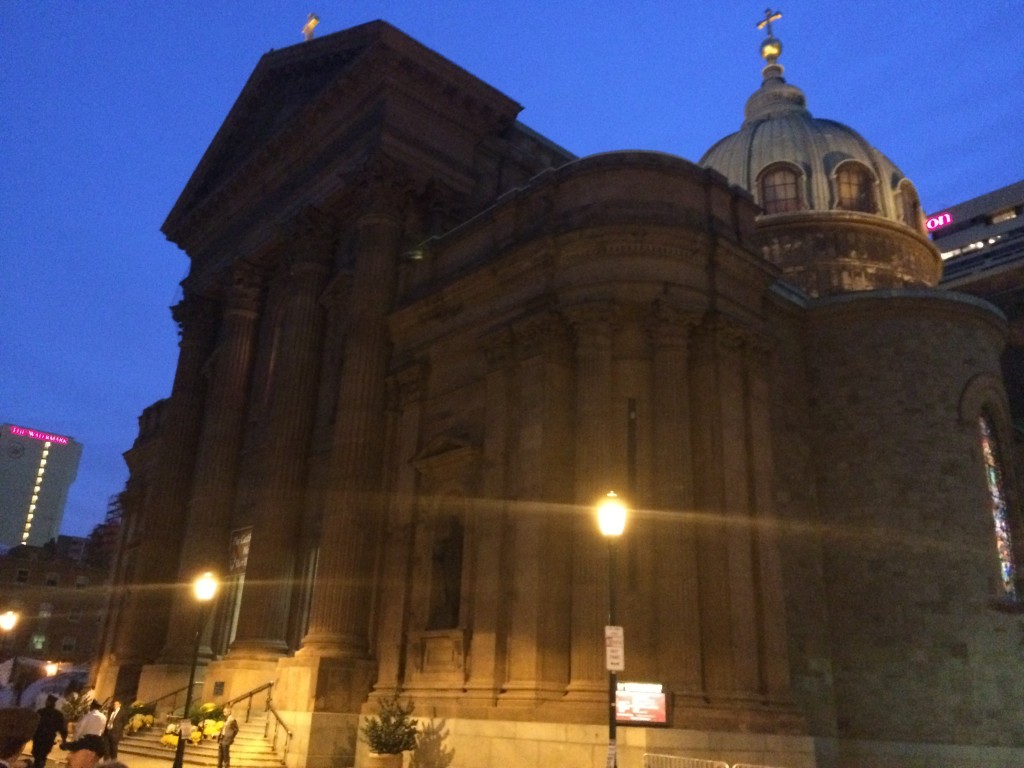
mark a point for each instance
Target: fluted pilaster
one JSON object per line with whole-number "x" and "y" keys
{"x": 593, "y": 328}
{"x": 147, "y": 606}
{"x": 339, "y": 612}
{"x": 267, "y": 597}
{"x": 675, "y": 545}
{"x": 207, "y": 529}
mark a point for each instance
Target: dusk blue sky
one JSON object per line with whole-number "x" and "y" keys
{"x": 106, "y": 108}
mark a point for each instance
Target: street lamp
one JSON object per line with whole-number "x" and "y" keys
{"x": 8, "y": 620}
{"x": 611, "y": 519}
{"x": 204, "y": 588}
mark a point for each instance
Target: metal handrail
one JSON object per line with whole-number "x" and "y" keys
{"x": 153, "y": 702}
{"x": 278, "y": 723}
{"x": 268, "y": 687}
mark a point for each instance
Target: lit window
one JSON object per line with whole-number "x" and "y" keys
{"x": 1009, "y": 213}
{"x": 42, "y": 462}
{"x": 780, "y": 189}
{"x": 855, "y": 188}
{"x": 38, "y": 642}
{"x": 999, "y": 509}
{"x": 45, "y": 610}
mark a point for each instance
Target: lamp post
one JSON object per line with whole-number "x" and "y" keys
{"x": 611, "y": 519}
{"x": 8, "y": 620}
{"x": 204, "y": 588}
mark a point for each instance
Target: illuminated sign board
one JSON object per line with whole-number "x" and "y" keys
{"x": 938, "y": 221}
{"x": 36, "y": 435}
{"x": 640, "y": 704}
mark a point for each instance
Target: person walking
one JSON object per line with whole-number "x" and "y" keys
{"x": 92, "y": 723}
{"x": 51, "y": 723}
{"x": 116, "y": 721}
{"x": 226, "y": 738}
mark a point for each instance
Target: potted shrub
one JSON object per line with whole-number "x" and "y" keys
{"x": 390, "y": 732}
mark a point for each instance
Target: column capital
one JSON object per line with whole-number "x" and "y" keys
{"x": 539, "y": 334}
{"x": 593, "y": 322}
{"x": 384, "y": 189}
{"x": 196, "y": 317}
{"x": 311, "y": 241}
{"x": 667, "y": 324}
{"x": 244, "y": 288}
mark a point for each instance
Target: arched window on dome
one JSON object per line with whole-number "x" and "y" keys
{"x": 779, "y": 188}
{"x": 910, "y": 206}
{"x": 855, "y": 188}
{"x": 1009, "y": 565}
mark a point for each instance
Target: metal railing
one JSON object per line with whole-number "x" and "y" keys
{"x": 278, "y": 727}
{"x": 675, "y": 761}
{"x": 173, "y": 695}
{"x": 273, "y": 718}
{"x": 248, "y": 696}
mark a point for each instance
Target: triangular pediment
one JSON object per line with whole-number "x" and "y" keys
{"x": 295, "y": 95}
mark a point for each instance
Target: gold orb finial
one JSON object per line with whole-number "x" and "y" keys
{"x": 771, "y": 47}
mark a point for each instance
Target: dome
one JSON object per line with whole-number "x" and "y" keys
{"x": 836, "y": 214}
{"x": 791, "y": 161}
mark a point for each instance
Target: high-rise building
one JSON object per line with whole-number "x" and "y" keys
{"x": 36, "y": 470}
{"x": 419, "y": 341}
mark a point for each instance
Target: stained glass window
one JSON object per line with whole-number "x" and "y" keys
{"x": 1000, "y": 511}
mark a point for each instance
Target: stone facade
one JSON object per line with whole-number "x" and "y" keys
{"x": 420, "y": 341}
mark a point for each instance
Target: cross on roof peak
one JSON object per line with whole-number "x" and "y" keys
{"x": 769, "y": 17}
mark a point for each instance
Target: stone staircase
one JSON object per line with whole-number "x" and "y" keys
{"x": 249, "y": 750}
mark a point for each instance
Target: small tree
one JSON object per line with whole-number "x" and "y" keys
{"x": 391, "y": 731}
{"x": 430, "y": 749}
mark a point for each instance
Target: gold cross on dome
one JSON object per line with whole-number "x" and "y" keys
{"x": 769, "y": 17}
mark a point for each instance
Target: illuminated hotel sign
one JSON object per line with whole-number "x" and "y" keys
{"x": 640, "y": 704}
{"x": 36, "y": 435}
{"x": 938, "y": 221}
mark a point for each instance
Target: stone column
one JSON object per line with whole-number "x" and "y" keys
{"x": 143, "y": 626}
{"x": 774, "y": 672}
{"x": 486, "y": 558}
{"x": 279, "y": 499}
{"x": 537, "y": 573}
{"x": 675, "y": 547}
{"x": 407, "y": 389}
{"x": 722, "y": 495}
{"x": 594, "y": 477}
{"x": 340, "y": 608}
{"x": 208, "y": 528}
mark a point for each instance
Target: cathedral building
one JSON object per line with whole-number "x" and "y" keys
{"x": 419, "y": 342}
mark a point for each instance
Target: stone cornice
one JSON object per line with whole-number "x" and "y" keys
{"x": 361, "y": 65}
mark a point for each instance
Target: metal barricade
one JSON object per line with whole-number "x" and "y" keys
{"x": 675, "y": 761}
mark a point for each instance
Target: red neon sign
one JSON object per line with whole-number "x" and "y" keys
{"x": 938, "y": 221}
{"x": 35, "y": 435}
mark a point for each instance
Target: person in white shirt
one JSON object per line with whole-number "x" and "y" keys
{"x": 92, "y": 723}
